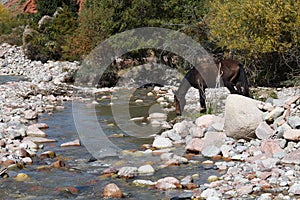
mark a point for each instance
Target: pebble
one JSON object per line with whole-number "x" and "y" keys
{"x": 71, "y": 143}
{"x": 146, "y": 169}
{"x": 112, "y": 191}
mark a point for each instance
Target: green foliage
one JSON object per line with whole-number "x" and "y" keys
{"x": 7, "y": 21}
{"x": 48, "y": 43}
{"x": 263, "y": 34}
{"x": 49, "y": 7}
{"x": 255, "y": 26}
{"x": 99, "y": 20}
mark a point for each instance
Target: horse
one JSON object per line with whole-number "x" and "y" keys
{"x": 232, "y": 73}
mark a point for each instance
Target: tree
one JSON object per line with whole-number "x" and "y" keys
{"x": 266, "y": 32}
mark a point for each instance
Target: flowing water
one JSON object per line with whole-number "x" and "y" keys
{"x": 85, "y": 176}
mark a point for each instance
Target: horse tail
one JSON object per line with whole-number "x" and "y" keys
{"x": 243, "y": 80}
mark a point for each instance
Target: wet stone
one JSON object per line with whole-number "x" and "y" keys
{"x": 112, "y": 191}
{"x": 127, "y": 172}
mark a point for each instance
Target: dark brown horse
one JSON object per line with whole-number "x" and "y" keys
{"x": 233, "y": 76}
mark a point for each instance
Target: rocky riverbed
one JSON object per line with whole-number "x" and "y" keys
{"x": 253, "y": 144}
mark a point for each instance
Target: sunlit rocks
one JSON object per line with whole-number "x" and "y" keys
{"x": 34, "y": 130}
{"x": 146, "y": 169}
{"x": 21, "y": 177}
{"x": 47, "y": 154}
{"x": 168, "y": 183}
{"x": 127, "y": 172}
{"x": 212, "y": 178}
{"x": 71, "y": 143}
{"x": 162, "y": 142}
{"x": 112, "y": 191}
{"x": 30, "y": 114}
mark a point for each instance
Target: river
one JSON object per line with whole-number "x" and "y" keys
{"x": 85, "y": 176}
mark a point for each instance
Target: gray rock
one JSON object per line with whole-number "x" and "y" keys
{"x": 196, "y": 132}
{"x": 172, "y": 135}
{"x": 127, "y": 172}
{"x": 295, "y": 189}
{"x": 274, "y": 114}
{"x": 241, "y": 117}
{"x": 146, "y": 169}
{"x": 30, "y": 114}
{"x": 211, "y": 193}
{"x": 264, "y": 131}
{"x": 294, "y": 122}
{"x": 210, "y": 151}
{"x": 162, "y": 142}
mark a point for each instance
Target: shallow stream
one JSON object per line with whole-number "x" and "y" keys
{"x": 85, "y": 176}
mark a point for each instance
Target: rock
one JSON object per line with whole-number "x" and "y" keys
{"x": 112, "y": 191}
{"x": 167, "y": 183}
{"x": 216, "y": 139}
{"x": 38, "y": 140}
{"x": 158, "y": 117}
{"x": 274, "y": 114}
{"x": 292, "y": 157}
{"x": 242, "y": 117}
{"x": 71, "y": 143}
{"x": 127, "y": 172}
{"x": 28, "y": 144}
{"x": 186, "y": 180}
{"x": 196, "y": 132}
{"x": 30, "y": 114}
{"x": 244, "y": 189}
{"x": 33, "y": 130}
{"x": 146, "y": 169}
{"x": 294, "y": 122}
{"x": 27, "y": 160}
{"x": 143, "y": 182}
{"x": 161, "y": 142}
{"x": 23, "y": 153}
{"x": 206, "y": 121}
{"x": 270, "y": 163}
{"x": 293, "y": 134}
{"x": 295, "y": 189}
{"x": 211, "y": 151}
{"x": 182, "y": 128}
{"x": 272, "y": 148}
{"x": 47, "y": 154}
{"x": 211, "y": 193}
{"x": 21, "y": 177}
{"x": 58, "y": 164}
{"x": 263, "y": 131}
{"x": 212, "y": 178}
{"x": 172, "y": 135}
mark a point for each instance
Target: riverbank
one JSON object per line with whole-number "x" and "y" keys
{"x": 265, "y": 167}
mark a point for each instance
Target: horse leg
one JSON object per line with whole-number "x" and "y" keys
{"x": 202, "y": 100}
{"x": 230, "y": 87}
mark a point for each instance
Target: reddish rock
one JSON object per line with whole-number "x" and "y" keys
{"x": 292, "y": 157}
{"x": 112, "y": 191}
{"x": 168, "y": 183}
{"x": 58, "y": 164}
{"x": 71, "y": 143}
{"x": 272, "y": 148}
{"x": 293, "y": 134}
{"x": 8, "y": 162}
{"x": 29, "y": 7}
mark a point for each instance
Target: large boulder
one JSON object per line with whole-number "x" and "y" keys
{"x": 242, "y": 116}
